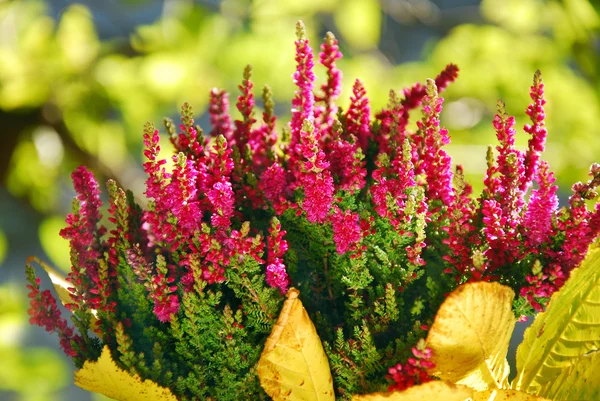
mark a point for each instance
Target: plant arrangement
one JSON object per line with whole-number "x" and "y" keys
{"x": 310, "y": 263}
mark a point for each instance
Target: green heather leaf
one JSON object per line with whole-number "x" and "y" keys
{"x": 568, "y": 329}
{"x": 580, "y": 381}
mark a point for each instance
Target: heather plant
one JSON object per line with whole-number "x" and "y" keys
{"x": 365, "y": 217}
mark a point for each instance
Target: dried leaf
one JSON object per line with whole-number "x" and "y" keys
{"x": 105, "y": 377}
{"x": 470, "y": 335}
{"x": 434, "y": 390}
{"x": 293, "y": 365}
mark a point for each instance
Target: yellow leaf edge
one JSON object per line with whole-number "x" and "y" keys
{"x": 439, "y": 390}
{"x": 105, "y": 377}
{"x": 265, "y": 367}
{"x": 490, "y": 371}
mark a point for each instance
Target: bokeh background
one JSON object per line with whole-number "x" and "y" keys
{"x": 79, "y": 79}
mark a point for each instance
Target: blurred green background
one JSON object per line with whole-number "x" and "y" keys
{"x": 79, "y": 79}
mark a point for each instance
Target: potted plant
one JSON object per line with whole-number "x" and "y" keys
{"x": 308, "y": 263}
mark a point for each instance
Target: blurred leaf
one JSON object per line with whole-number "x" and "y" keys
{"x": 3, "y": 246}
{"x": 56, "y": 247}
{"x": 359, "y": 21}
{"x": 77, "y": 38}
{"x": 103, "y": 376}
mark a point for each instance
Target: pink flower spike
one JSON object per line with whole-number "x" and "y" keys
{"x": 304, "y": 78}
{"x": 433, "y": 160}
{"x": 543, "y": 205}
{"x": 245, "y": 104}
{"x": 326, "y": 112}
{"x": 277, "y": 276}
{"x": 358, "y": 115}
{"x": 346, "y": 230}
{"x": 537, "y": 130}
{"x": 218, "y": 110}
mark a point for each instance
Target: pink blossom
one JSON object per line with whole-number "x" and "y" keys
{"x": 433, "y": 160}
{"x": 218, "y": 110}
{"x": 304, "y": 77}
{"x": 537, "y": 130}
{"x": 277, "y": 276}
{"x": 245, "y": 104}
{"x": 222, "y": 202}
{"x": 542, "y": 206}
{"x": 358, "y": 115}
{"x": 346, "y": 230}
{"x": 325, "y": 112}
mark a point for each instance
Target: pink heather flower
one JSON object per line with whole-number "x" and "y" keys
{"x": 304, "y": 77}
{"x": 156, "y": 218}
{"x": 263, "y": 139}
{"x": 462, "y": 234}
{"x": 391, "y": 186}
{"x": 218, "y": 110}
{"x": 245, "y": 104}
{"x": 542, "y": 206}
{"x": 326, "y": 112}
{"x": 510, "y": 167}
{"x": 44, "y": 312}
{"x": 416, "y": 93}
{"x": 273, "y": 182}
{"x": 166, "y": 303}
{"x": 222, "y": 202}
{"x": 188, "y": 140}
{"x": 578, "y": 232}
{"x": 433, "y": 160}
{"x": 346, "y": 230}
{"x": 84, "y": 235}
{"x": 358, "y": 115}
{"x": 394, "y": 120}
{"x": 315, "y": 177}
{"x": 347, "y": 164}
{"x": 414, "y": 371}
{"x": 537, "y": 130}
{"x": 276, "y": 245}
{"x": 318, "y": 196}
{"x": 183, "y": 196}
{"x": 277, "y": 276}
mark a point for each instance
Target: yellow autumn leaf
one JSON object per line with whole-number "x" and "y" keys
{"x": 567, "y": 330}
{"x": 580, "y": 381}
{"x": 105, "y": 377}
{"x": 434, "y": 390}
{"x": 470, "y": 335}
{"x": 505, "y": 395}
{"x": 293, "y": 365}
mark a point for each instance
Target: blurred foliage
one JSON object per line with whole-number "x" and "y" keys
{"x": 69, "y": 98}
{"x": 3, "y": 247}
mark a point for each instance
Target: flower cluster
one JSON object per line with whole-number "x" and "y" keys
{"x": 414, "y": 371}
{"x": 368, "y": 218}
